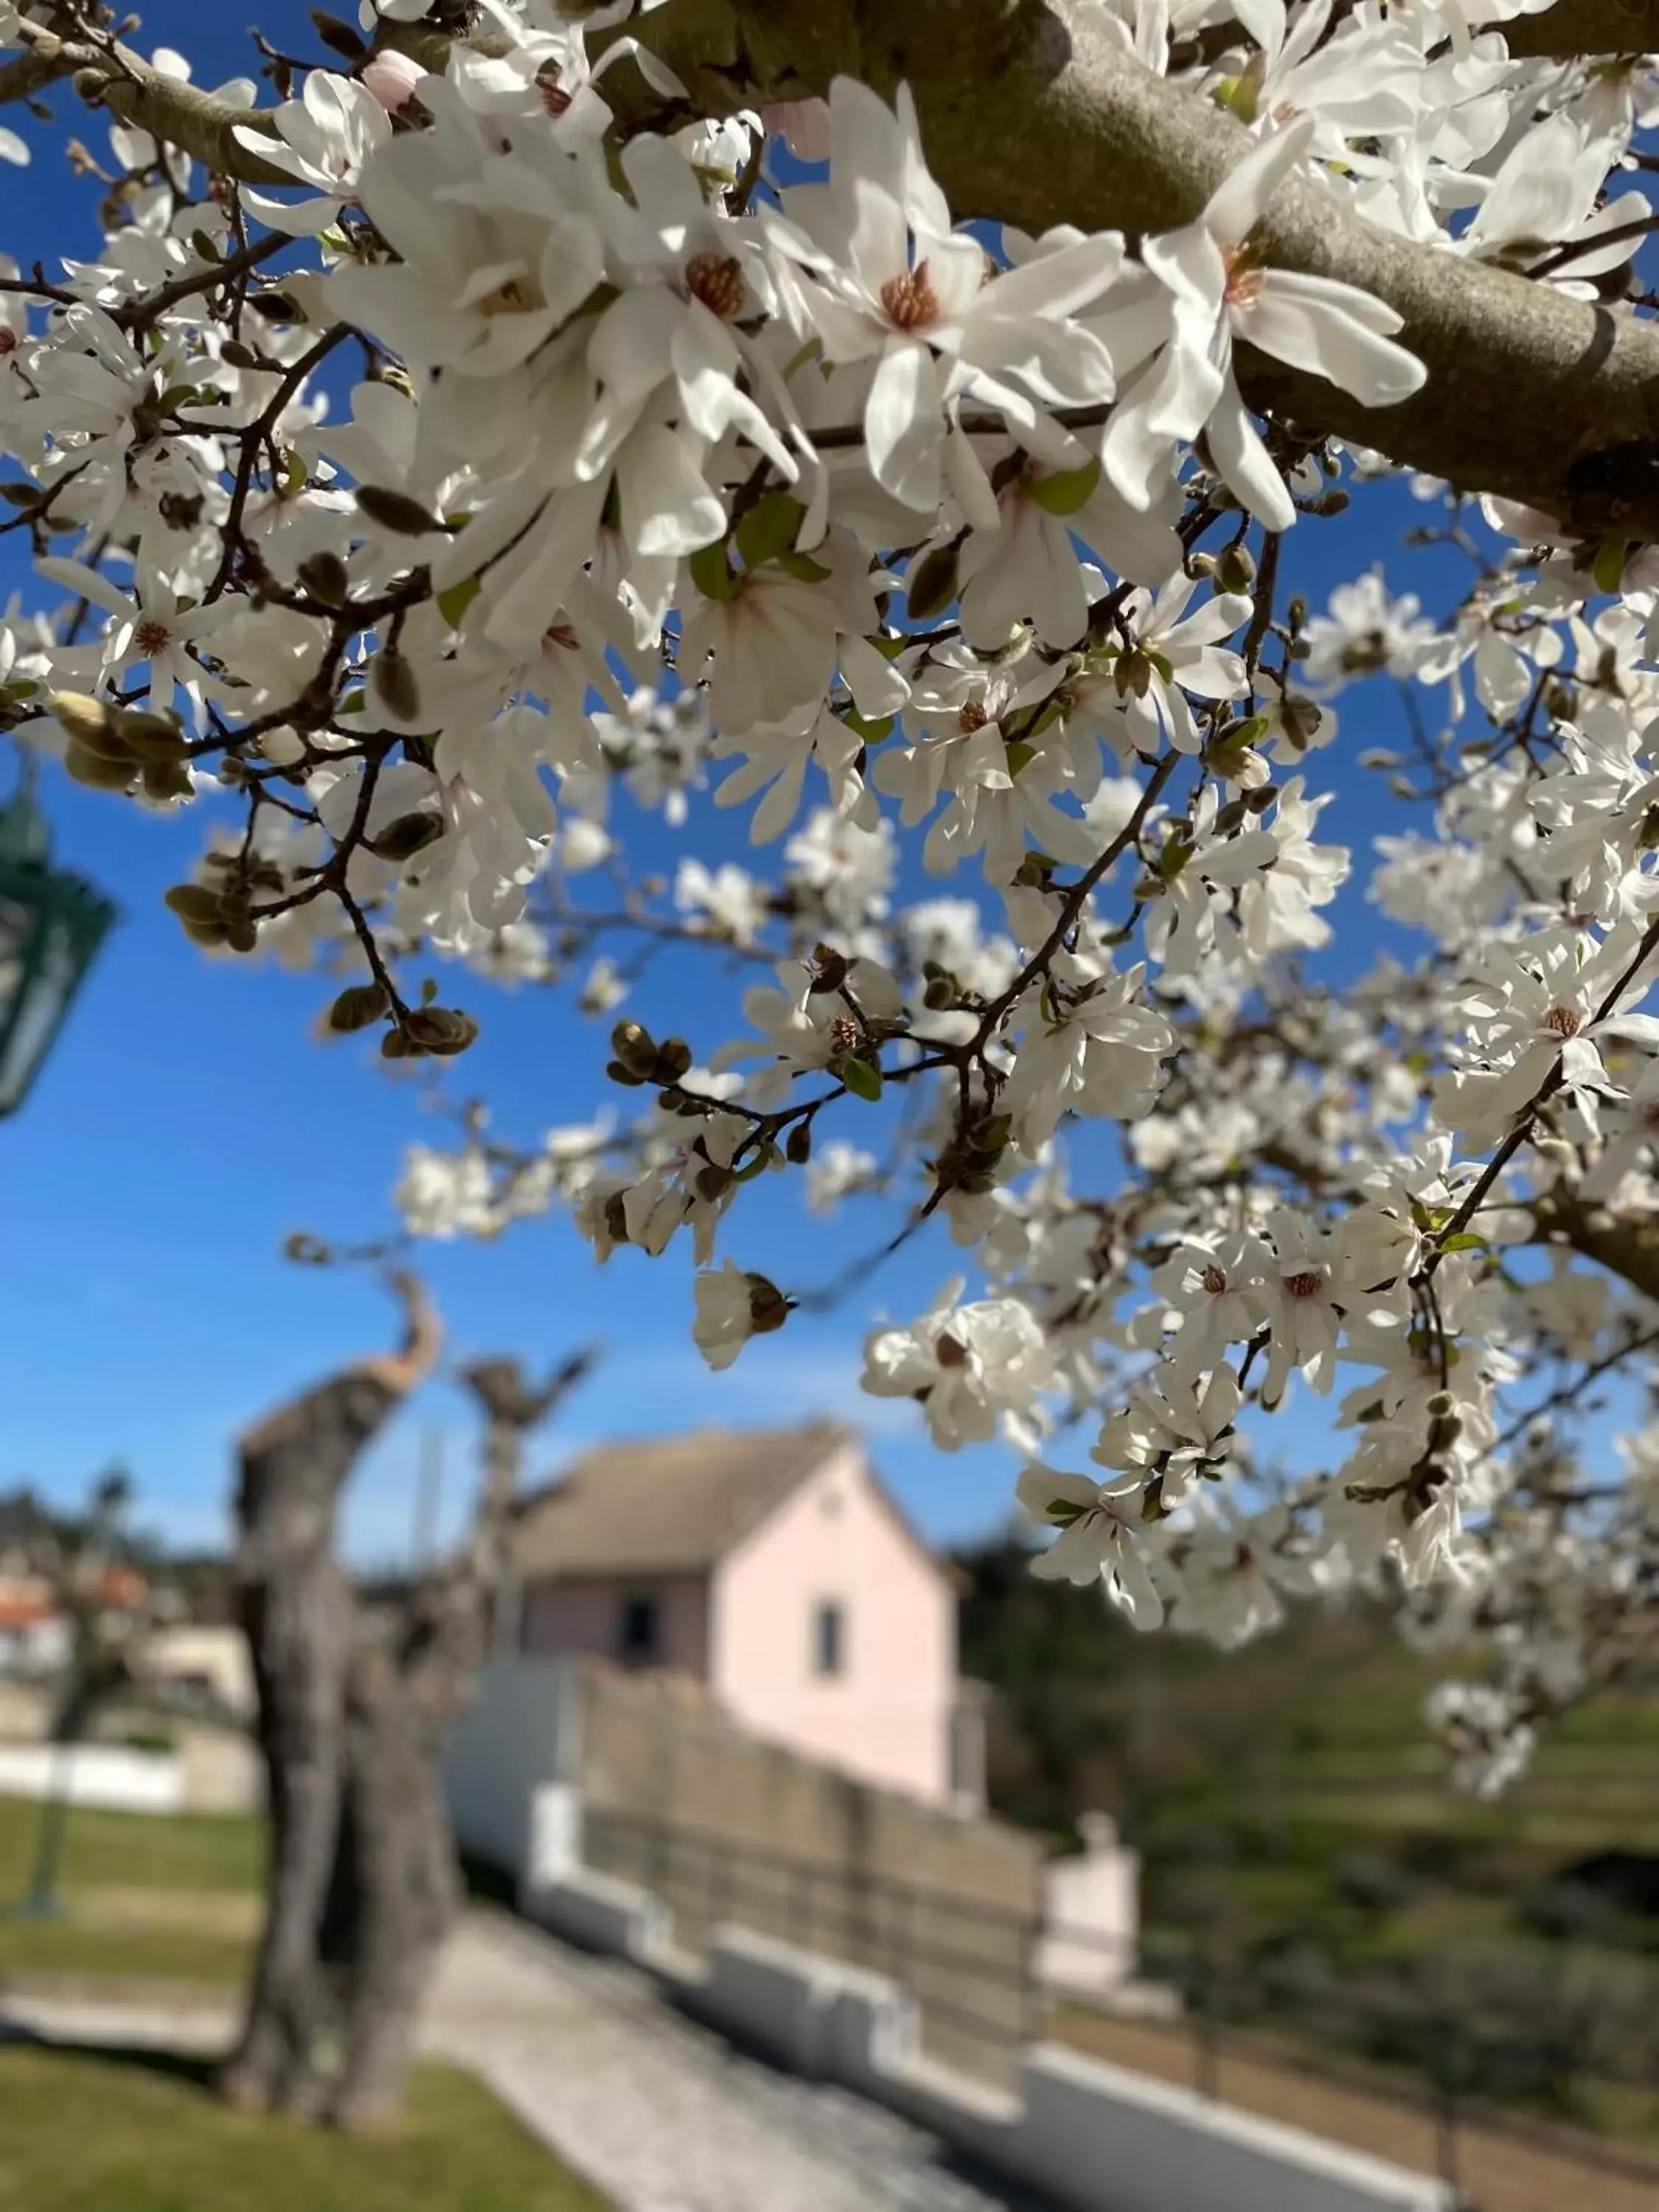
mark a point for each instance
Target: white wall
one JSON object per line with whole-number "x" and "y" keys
{"x": 515, "y": 1740}
{"x": 106, "y": 1775}
{"x": 1091, "y": 1912}
{"x": 1097, "y": 2139}
{"x": 1104, "y": 2140}
{"x": 217, "y": 1657}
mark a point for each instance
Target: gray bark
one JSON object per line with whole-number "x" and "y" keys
{"x": 397, "y": 1887}
{"x": 362, "y": 1882}
{"x": 296, "y": 1609}
{"x": 1032, "y": 114}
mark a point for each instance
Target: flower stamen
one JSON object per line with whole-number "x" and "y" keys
{"x": 910, "y": 301}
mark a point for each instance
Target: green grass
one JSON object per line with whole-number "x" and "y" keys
{"x": 68, "y": 1946}
{"x": 136, "y": 1850}
{"x": 135, "y": 2133}
{"x": 118, "y": 1860}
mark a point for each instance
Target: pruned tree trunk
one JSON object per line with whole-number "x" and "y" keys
{"x": 296, "y": 1608}
{"x": 396, "y": 1888}
{"x": 354, "y": 1703}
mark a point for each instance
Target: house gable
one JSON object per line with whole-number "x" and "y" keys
{"x": 832, "y": 1628}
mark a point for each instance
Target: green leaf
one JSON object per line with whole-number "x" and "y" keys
{"x": 768, "y": 530}
{"x": 1019, "y": 755}
{"x": 1468, "y": 1241}
{"x": 872, "y": 733}
{"x": 186, "y": 395}
{"x": 453, "y": 602}
{"x": 1608, "y": 567}
{"x": 712, "y": 574}
{"x": 1238, "y": 95}
{"x": 753, "y": 1167}
{"x": 811, "y": 352}
{"x": 861, "y": 1077}
{"x": 803, "y": 567}
{"x": 1174, "y": 858}
{"x": 1068, "y": 490}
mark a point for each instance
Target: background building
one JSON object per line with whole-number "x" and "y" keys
{"x": 772, "y": 1567}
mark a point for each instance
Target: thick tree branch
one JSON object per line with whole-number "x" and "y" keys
{"x": 511, "y": 1409}
{"x": 1626, "y": 1244}
{"x": 1031, "y": 113}
{"x": 117, "y": 79}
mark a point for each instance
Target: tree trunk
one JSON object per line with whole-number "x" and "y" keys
{"x": 363, "y": 1883}
{"x": 397, "y": 1885}
{"x": 396, "y": 1891}
{"x": 298, "y": 1626}
{"x": 296, "y": 1608}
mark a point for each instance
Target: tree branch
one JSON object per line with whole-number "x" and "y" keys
{"x": 1032, "y": 114}
{"x": 179, "y": 114}
{"x": 1626, "y": 1244}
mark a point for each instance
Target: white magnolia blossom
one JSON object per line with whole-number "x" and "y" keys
{"x": 524, "y": 471}
{"x": 968, "y": 1365}
{"x": 1220, "y": 291}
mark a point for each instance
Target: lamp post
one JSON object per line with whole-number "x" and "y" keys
{"x": 51, "y": 924}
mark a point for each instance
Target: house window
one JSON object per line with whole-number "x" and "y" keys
{"x": 638, "y": 1631}
{"x": 829, "y": 1638}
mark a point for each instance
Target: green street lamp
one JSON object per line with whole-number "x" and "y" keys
{"x": 51, "y": 924}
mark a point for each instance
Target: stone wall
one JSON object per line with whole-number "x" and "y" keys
{"x": 725, "y": 1828}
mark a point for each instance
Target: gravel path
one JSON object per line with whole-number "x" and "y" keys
{"x": 659, "y": 2112}
{"x": 663, "y": 2114}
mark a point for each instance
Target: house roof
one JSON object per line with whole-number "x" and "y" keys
{"x": 666, "y": 1505}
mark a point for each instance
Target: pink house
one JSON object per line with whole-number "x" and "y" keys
{"x": 774, "y": 1567}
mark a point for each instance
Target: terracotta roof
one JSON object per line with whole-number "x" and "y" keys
{"x": 666, "y": 1505}
{"x": 20, "y": 1610}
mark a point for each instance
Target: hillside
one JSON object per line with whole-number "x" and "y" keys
{"x": 1306, "y": 1866}
{"x": 1321, "y": 1724}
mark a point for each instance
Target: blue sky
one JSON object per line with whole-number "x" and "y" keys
{"x": 187, "y": 1122}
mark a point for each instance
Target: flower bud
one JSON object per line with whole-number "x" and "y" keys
{"x": 324, "y": 575}
{"x": 442, "y": 1030}
{"x": 1299, "y": 719}
{"x": 395, "y": 510}
{"x": 768, "y": 1309}
{"x": 930, "y": 583}
{"x": 1235, "y": 568}
{"x": 194, "y": 904}
{"x": 357, "y": 1007}
{"x": 152, "y": 736}
{"x": 166, "y": 779}
{"x": 631, "y": 1043}
{"x": 98, "y": 774}
{"x": 405, "y": 836}
{"x": 394, "y": 682}
{"x": 90, "y": 723}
